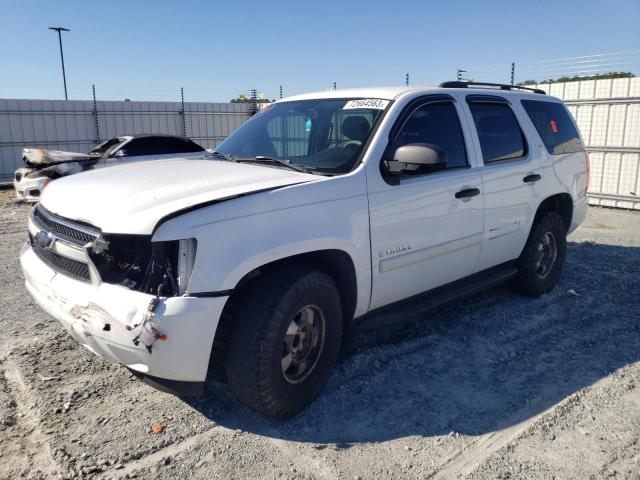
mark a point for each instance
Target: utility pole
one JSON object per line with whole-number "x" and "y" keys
{"x": 95, "y": 113}
{"x": 513, "y": 72}
{"x": 459, "y": 74}
{"x": 184, "y": 117}
{"x": 64, "y": 76}
{"x": 280, "y": 92}
{"x": 406, "y": 79}
{"x": 254, "y": 102}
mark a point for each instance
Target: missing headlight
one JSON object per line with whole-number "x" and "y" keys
{"x": 135, "y": 262}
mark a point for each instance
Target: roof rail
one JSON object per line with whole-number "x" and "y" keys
{"x": 501, "y": 86}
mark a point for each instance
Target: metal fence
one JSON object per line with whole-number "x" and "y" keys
{"x": 608, "y": 114}
{"x": 77, "y": 125}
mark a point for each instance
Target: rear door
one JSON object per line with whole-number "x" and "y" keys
{"x": 511, "y": 173}
{"x": 423, "y": 232}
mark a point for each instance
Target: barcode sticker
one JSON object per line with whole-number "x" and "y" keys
{"x": 375, "y": 103}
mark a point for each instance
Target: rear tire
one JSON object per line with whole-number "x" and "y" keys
{"x": 543, "y": 256}
{"x": 285, "y": 341}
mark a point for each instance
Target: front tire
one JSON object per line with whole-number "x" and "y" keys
{"x": 285, "y": 341}
{"x": 543, "y": 256}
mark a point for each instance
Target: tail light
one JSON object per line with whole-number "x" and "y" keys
{"x": 586, "y": 159}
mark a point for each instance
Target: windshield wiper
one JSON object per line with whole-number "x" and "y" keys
{"x": 223, "y": 156}
{"x": 277, "y": 161}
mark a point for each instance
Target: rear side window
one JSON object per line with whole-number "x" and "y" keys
{"x": 498, "y": 131}
{"x": 554, "y": 125}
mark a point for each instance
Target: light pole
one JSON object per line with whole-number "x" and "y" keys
{"x": 64, "y": 77}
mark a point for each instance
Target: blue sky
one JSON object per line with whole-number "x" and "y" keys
{"x": 146, "y": 50}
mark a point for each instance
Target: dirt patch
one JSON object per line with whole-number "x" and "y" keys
{"x": 494, "y": 386}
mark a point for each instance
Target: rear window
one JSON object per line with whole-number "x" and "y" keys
{"x": 160, "y": 146}
{"x": 554, "y": 125}
{"x": 498, "y": 131}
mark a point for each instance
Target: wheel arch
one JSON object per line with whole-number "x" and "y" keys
{"x": 336, "y": 263}
{"x": 561, "y": 203}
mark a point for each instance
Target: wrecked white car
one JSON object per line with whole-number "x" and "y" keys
{"x": 45, "y": 165}
{"x": 320, "y": 211}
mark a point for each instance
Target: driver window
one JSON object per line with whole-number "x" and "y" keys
{"x": 435, "y": 124}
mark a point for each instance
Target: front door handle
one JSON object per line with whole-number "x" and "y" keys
{"x": 532, "y": 178}
{"x": 468, "y": 193}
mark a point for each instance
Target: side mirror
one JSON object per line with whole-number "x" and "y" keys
{"x": 417, "y": 158}
{"x": 120, "y": 153}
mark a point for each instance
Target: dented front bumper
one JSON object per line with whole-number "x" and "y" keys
{"x": 170, "y": 345}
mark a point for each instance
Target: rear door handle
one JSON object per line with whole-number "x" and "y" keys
{"x": 534, "y": 177}
{"x": 468, "y": 192}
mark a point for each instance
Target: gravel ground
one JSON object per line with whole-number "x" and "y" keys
{"x": 494, "y": 386}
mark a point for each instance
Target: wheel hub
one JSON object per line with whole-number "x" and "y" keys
{"x": 547, "y": 254}
{"x": 303, "y": 343}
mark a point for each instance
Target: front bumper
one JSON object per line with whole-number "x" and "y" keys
{"x": 97, "y": 316}
{"x": 28, "y": 189}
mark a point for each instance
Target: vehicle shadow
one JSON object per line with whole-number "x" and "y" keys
{"x": 479, "y": 365}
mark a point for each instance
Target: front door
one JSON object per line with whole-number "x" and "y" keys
{"x": 426, "y": 228}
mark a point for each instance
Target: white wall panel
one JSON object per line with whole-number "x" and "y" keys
{"x": 587, "y": 89}
{"x": 632, "y": 126}
{"x": 620, "y": 87}
{"x": 603, "y": 88}
{"x": 71, "y": 125}
{"x": 615, "y": 125}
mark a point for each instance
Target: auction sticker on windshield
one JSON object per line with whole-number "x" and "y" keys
{"x": 376, "y": 103}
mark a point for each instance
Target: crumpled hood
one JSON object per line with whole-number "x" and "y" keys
{"x": 132, "y": 198}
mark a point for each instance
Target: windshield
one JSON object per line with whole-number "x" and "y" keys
{"x": 323, "y": 135}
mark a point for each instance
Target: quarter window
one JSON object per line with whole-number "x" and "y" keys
{"x": 498, "y": 131}
{"x": 435, "y": 124}
{"x": 554, "y": 125}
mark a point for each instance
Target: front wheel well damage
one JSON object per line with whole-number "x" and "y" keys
{"x": 335, "y": 263}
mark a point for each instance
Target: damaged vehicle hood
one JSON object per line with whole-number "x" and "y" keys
{"x": 42, "y": 157}
{"x": 134, "y": 197}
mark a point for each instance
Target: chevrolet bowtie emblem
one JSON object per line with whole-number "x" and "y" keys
{"x": 43, "y": 239}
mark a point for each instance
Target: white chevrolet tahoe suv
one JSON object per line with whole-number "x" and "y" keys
{"x": 321, "y": 211}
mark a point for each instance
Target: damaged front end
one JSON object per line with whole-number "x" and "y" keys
{"x": 137, "y": 263}
{"x": 124, "y": 297}
{"x": 131, "y": 261}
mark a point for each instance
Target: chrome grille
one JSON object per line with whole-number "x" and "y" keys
{"x": 69, "y": 266}
{"x": 76, "y": 234}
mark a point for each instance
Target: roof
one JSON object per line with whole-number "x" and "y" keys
{"x": 391, "y": 93}
{"x": 142, "y": 135}
{"x": 386, "y": 93}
